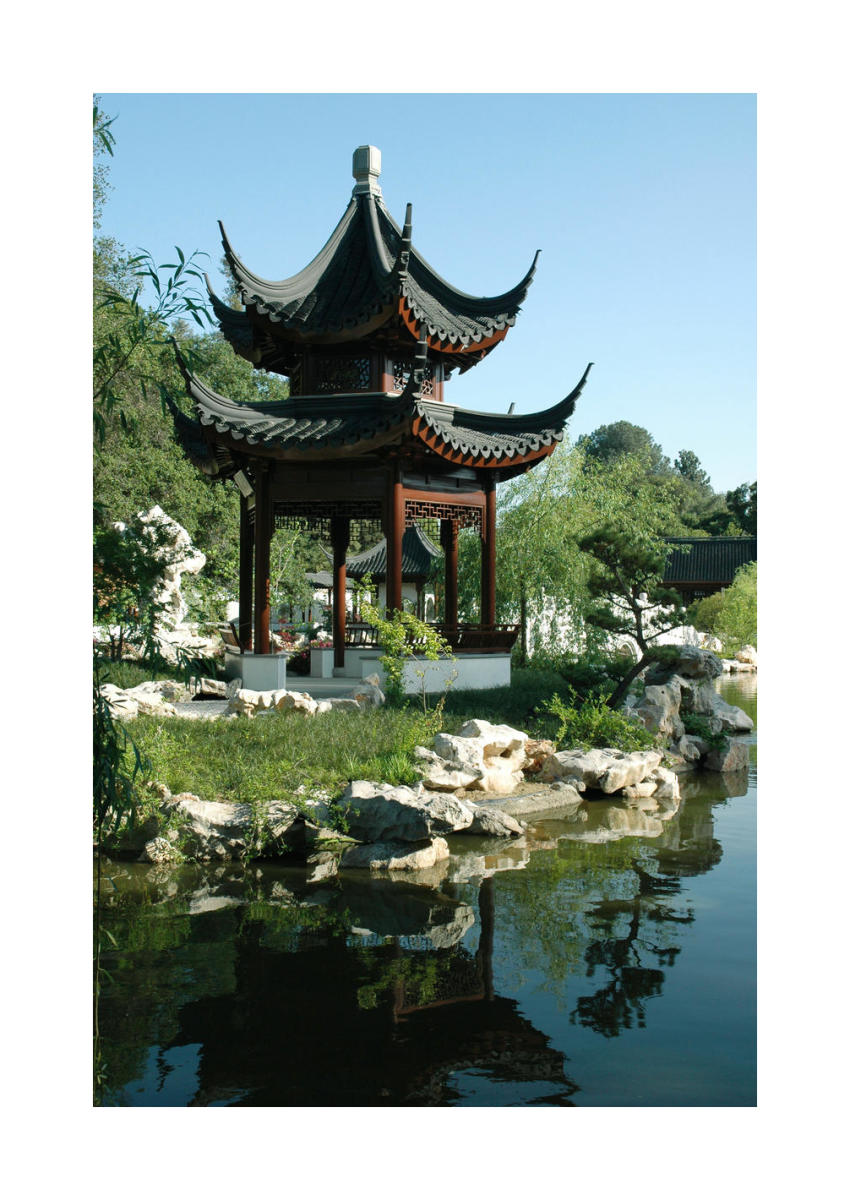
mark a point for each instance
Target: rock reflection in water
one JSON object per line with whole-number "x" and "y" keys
{"x": 294, "y": 990}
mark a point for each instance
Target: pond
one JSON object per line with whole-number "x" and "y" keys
{"x": 605, "y": 960}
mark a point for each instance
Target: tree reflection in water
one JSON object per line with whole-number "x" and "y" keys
{"x": 619, "y": 1004}
{"x": 250, "y": 985}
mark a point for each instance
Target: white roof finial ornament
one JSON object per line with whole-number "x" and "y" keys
{"x": 366, "y": 167}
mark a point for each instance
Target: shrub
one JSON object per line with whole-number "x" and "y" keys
{"x": 592, "y": 675}
{"x": 592, "y": 724}
{"x": 700, "y": 727}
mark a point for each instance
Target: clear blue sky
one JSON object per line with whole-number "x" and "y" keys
{"x": 644, "y": 208}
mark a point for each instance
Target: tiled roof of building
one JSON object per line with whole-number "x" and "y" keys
{"x": 365, "y": 269}
{"x": 310, "y": 426}
{"x": 707, "y": 560}
{"x": 418, "y": 557}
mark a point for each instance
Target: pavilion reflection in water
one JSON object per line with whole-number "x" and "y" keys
{"x": 363, "y": 992}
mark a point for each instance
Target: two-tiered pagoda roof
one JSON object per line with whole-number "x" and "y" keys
{"x": 367, "y": 334}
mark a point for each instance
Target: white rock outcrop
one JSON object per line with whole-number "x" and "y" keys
{"x": 604, "y": 770}
{"x": 490, "y": 757}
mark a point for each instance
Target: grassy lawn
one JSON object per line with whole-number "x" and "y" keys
{"x": 270, "y": 757}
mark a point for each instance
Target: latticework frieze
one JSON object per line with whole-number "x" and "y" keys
{"x": 467, "y": 516}
{"x": 334, "y": 375}
{"x": 401, "y": 374}
{"x": 315, "y": 516}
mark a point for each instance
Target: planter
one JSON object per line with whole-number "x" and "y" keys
{"x": 258, "y": 672}
{"x": 322, "y": 663}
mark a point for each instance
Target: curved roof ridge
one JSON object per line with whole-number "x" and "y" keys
{"x": 507, "y": 423}
{"x": 286, "y": 290}
{"x": 420, "y": 265}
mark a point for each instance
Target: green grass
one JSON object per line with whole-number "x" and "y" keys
{"x": 270, "y": 757}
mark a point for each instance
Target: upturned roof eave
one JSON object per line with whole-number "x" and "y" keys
{"x": 398, "y": 272}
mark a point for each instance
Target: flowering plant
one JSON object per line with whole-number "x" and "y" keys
{"x": 321, "y": 644}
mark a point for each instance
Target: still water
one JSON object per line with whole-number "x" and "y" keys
{"x": 608, "y": 959}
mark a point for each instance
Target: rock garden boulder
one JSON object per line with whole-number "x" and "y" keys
{"x": 603, "y": 770}
{"x": 210, "y": 830}
{"x": 375, "y": 812}
{"x": 490, "y": 756}
{"x": 733, "y": 755}
{"x": 492, "y": 822}
{"x": 396, "y": 856}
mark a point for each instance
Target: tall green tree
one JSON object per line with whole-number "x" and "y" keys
{"x": 610, "y": 442}
{"x": 628, "y": 598}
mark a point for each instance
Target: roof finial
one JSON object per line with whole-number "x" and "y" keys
{"x": 366, "y": 167}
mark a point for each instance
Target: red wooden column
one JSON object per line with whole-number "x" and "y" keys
{"x": 340, "y": 537}
{"x": 262, "y": 575}
{"x": 448, "y": 540}
{"x": 246, "y": 574}
{"x": 488, "y": 555}
{"x": 395, "y": 533}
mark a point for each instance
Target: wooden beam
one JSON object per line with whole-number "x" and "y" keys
{"x": 340, "y": 537}
{"x": 488, "y": 556}
{"x": 448, "y": 540}
{"x": 395, "y": 534}
{"x": 262, "y": 574}
{"x": 246, "y": 574}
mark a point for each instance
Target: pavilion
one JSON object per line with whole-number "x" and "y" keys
{"x": 368, "y": 335}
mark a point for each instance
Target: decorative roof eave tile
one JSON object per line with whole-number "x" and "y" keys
{"x": 490, "y": 439}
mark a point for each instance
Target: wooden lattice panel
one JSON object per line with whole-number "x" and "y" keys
{"x": 466, "y": 515}
{"x": 335, "y": 375}
{"x": 315, "y": 516}
{"x": 401, "y": 374}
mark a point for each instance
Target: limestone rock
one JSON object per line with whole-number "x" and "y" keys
{"x": 492, "y": 822}
{"x": 666, "y": 784}
{"x": 160, "y": 850}
{"x": 692, "y": 748}
{"x": 343, "y": 704}
{"x": 493, "y": 755}
{"x": 396, "y": 856}
{"x": 213, "y": 687}
{"x": 602, "y": 770}
{"x": 296, "y": 701}
{"x": 747, "y": 654}
{"x": 438, "y": 776}
{"x": 658, "y": 708}
{"x": 212, "y": 830}
{"x": 537, "y": 750}
{"x": 379, "y": 812}
{"x": 367, "y": 694}
{"x": 121, "y": 705}
{"x": 690, "y": 662}
{"x": 734, "y": 755}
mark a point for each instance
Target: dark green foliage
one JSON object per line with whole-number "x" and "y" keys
{"x": 699, "y": 727}
{"x": 742, "y": 502}
{"x": 592, "y": 724}
{"x": 703, "y": 614}
{"x": 587, "y": 675}
{"x": 626, "y": 566}
{"x": 118, "y": 764}
{"x": 610, "y": 442}
{"x": 690, "y": 468}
